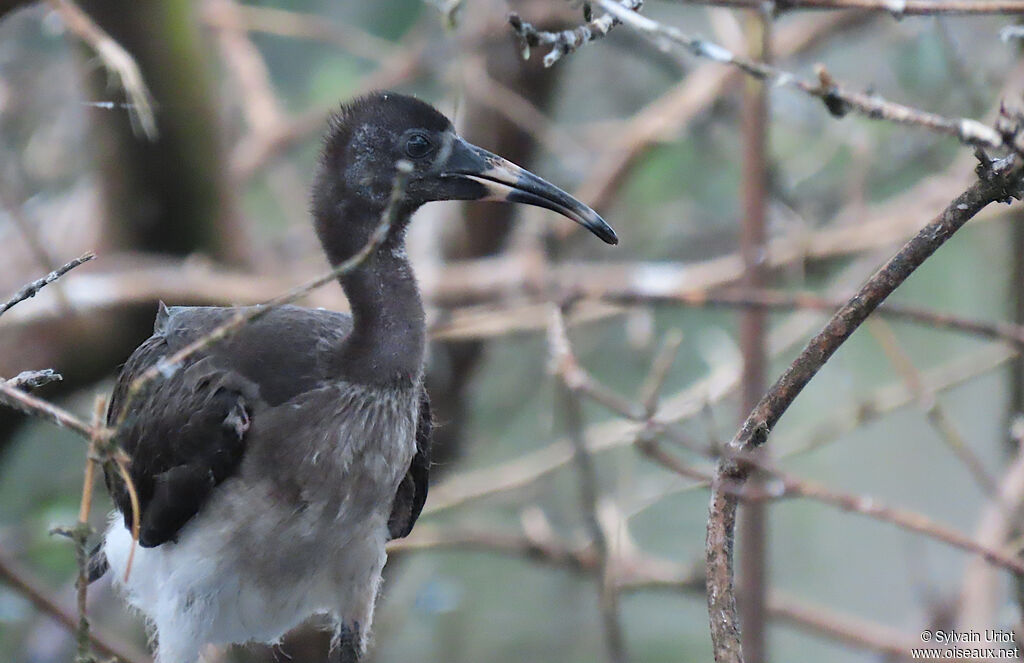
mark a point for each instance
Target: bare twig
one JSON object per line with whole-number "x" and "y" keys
{"x": 782, "y": 485}
{"x": 80, "y": 533}
{"x": 979, "y": 597}
{"x": 121, "y": 462}
{"x": 1000, "y": 181}
{"x": 30, "y": 233}
{"x": 562, "y": 361}
{"x": 567, "y": 41}
{"x": 935, "y": 413}
{"x": 822, "y": 620}
{"x": 33, "y": 288}
{"x": 892, "y": 397}
{"x": 258, "y": 148}
{"x": 838, "y": 100}
{"x": 258, "y": 102}
{"x": 898, "y": 8}
{"x": 646, "y": 573}
{"x": 12, "y": 396}
{"x": 650, "y": 390}
{"x": 687, "y": 403}
{"x": 242, "y": 317}
{"x": 484, "y": 321}
{"x": 779, "y": 300}
{"x": 668, "y": 116}
{"x": 29, "y": 380}
{"x": 287, "y": 23}
{"x": 23, "y": 582}
{"x": 117, "y": 60}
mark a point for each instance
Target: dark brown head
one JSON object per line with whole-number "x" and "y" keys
{"x": 371, "y": 135}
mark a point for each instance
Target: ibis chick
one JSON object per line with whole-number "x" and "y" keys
{"x": 273, "y": 466}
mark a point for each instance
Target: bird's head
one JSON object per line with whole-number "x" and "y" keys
{"x": 371, "y": 135}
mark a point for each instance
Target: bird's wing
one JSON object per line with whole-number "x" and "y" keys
{"x": 185, "y": 433}
{"x": 412, "y": 492}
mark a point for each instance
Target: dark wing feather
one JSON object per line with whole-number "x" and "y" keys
{"x": 412, "y": 492}
{"x": 186, "y": 433}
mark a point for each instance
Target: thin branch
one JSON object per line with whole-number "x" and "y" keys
{"x": 484, "y": 321}
{"x": 29, "y": 380}
{"x": 934, "y": 412}
{"x": 257, "y": 149}
{"x": 564, "y": 42}
{"x": 979, "y": 597}
{"x": 287, "y": 23}
{"x": 779, "y": 300}
{"x": 121, "y": 461}
{"x": 782, "y": 485}
{"x": 646, "y": 573}
{"x": 892, "y": 397}
{"x": 12, "y": 396}
{"x": 838, "y": 100}
{"x": 898, "y": 8}
{"x": 23, "y": 582}
{"x": 258, "y": 102}
{"x": 578, "y": 380}
{"x": 668, "y": 116}
{"x": 117, "y": 60}
{"x": 999, "y": 181}
{"x": 81, "y": 532}
{"x": 30, "y": 234}
{"x": 650, "y": 390}
{"x": 32, "y": 289}
{"x": 689, "y": 402}
{"x": 823, "y": 621}
{"x": 240, "y": 317}
{"x": 562, "y": 361}
{"x": 426, "y": 537}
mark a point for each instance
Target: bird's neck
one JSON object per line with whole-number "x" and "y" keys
{"x": 388, "y": 335}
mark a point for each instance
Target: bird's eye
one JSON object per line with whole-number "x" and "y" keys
{"x": 418, "y": 146}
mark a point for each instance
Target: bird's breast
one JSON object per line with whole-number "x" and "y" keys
{"x": 338, "y": 453}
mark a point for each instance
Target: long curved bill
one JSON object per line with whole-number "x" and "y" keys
{"x": 502, "y": 180}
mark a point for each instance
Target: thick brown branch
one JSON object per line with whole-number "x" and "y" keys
{"x": 999, "y": 182}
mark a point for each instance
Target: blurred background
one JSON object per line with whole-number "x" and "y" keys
{"x": 668, "y": 148}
